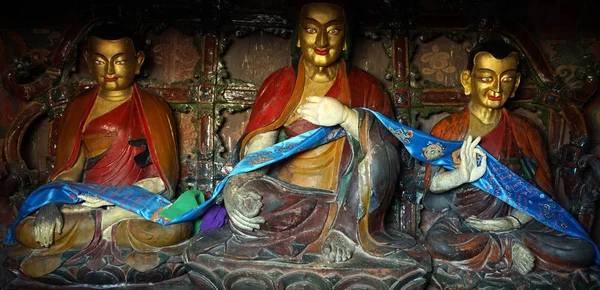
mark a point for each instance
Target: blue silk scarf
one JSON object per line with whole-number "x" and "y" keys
{"x": 149, "y": 205}
{"x": 498, "y": 180}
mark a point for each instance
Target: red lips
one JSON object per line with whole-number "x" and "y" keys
{"x": 494, "y": 98}
{"x": 113, "y": 79}
{"x": 321, "y": 51}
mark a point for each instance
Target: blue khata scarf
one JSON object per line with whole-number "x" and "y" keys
{"x": 498, "y": 181}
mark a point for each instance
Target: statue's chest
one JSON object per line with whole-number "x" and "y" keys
{"x": 100, "y": 133}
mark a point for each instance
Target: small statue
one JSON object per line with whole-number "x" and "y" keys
{"x": 477, "y": 231}
{"x": 329, "y": 200}
{"x": 113, "y": 135}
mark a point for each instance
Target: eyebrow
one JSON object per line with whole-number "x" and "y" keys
{"x": 489, "y": 70}
{"x": 118, "y": 54}
{"x": 113, "y": 57}
{"x": 331, "y": 22}
{"x": 98, "y": 54}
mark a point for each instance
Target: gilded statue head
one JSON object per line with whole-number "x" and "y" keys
{"x": 113, "y": 58}
{"x": 492, "y": 75}
{"x": 322, "y": 33}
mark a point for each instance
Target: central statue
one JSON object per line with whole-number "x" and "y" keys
{"x": 332, "y": 199}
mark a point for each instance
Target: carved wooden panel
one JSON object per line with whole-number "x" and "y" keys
{"x": 172, "y": 57}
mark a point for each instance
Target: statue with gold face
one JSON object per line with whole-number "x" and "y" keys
{"x": 332, "y": 199}
{"x": 115, "y": 134}
{"x": 477, "y": 231}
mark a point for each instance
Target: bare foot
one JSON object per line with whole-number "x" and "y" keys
{"x": 337, "y": 247}
{"x": 523, "y": 258}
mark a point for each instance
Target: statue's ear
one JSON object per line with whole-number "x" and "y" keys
{"x": 517, "y": 82}
{"x": 140, "y": 57}
{"x": 465, "y": 80}
{"x": 298, "y": 36}
{"x": 345, "y": 46}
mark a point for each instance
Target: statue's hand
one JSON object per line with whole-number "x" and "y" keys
{"x": 500, "y": 224}
{"x": 243, "y": 207}
{"x": 469, "y": 169}
{"x": 48, "y": 221}
{"x": 324, "y": 111}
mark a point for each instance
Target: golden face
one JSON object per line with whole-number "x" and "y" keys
{"x": 114, "y": 63}
{"x": 492, "y": 81}
{"x": 321, "y": 34}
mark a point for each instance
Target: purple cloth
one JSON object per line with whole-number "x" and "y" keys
{"x": 215, "y": 217}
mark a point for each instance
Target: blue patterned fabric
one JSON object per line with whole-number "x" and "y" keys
{"x": 149, "y": 205}
{"x": 498, "y": 180}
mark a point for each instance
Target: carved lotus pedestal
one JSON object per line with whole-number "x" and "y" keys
{"x": 100, "y": 266}
{"x": 361, "y": 272}
{"x": 444, "y": 277}
{"x": 200, "y": 264}
{"x": 209, "y": 268}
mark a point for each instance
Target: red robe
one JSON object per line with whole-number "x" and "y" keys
{"x": 517, "y": 144}
{"x": 116, "y": 165}
{"x": 280, "y": 93}
{"x": 159, "y": 131}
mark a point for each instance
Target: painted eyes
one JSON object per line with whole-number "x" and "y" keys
{"x": 118, "y": 62}
{"x": 310, "y": 30}
{"x": 490, "y": 79}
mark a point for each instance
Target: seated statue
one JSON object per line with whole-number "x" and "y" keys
{"x": 478, "y": 232}
{"x": 329, "y": 200}
{"x": 113, "y": 135}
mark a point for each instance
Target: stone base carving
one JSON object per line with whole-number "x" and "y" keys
{"x": 200, "y": 264}
{"x": 445, "y": 277}
{"x": 210, "y": 269}
{"x": 99, "y": 264}
{"x": 179, "y": 283}
{"x": 361, "y": 272}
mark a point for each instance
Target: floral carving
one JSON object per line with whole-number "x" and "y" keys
{"x": 439, "y": 62}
